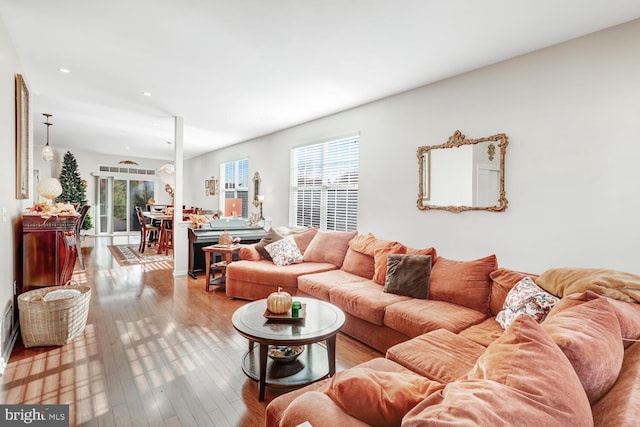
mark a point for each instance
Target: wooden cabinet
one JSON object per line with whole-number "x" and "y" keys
{"x": 48, "y": 250}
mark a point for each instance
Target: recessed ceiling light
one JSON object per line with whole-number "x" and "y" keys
{"x": 146, "y": 93}
{"x": 126, "y": 148}
{"x": 64, "y": 70}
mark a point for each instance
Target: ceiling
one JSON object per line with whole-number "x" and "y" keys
{"x": 235, "y": 70}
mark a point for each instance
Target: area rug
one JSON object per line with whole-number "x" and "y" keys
{"x": 129, "y": 255}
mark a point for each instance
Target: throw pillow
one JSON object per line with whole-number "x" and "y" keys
{"x": 380, "y": 258}
{"x": 329, "y": 247}
{"x": 526, "y": 298}
{"x": 503, "y": 281}
{"x": 304, "y": 237}
{"x": 376, "y": 397}
{"x": 521, "y": 379}
{"x": 272, "y": 236}
{"x": 589, "y": 336}
{"x": 466, "y": 283}
{"x": 284, "y": 252}
{"x": 249, "y": 253}
{"x": 408, "y": 275}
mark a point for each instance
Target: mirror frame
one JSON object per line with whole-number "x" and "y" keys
{"x": 457, "y": 140}
{"x": 256, "y": 189}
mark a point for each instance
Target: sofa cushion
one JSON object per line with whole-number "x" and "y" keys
{"x": 318, "y": 285}
{"x": 329, "y": 247}
{"x": 358, "y": 263}
{"x": 614, "y": 284}
{"x": 408, "y": 275}
{"x": 415, "y": 317}
{"x": 284, "y": 251}
{"x": 376, "y": 397}
{"x": 589, "y": 335}
{"x": 522, "y": 379}
{"x": 272, "y": 236}
{"x": 628, "y": 313}
{"x": 620, "y": 407}
{"x": 503, "y": 280}
{"x": 465, "y": 283}
{"x": 364, "y": 300}
{"x": 316, "y": 409}
{"x": 277, "y": 406}
{"x": 439, "y": 355}
{"x": 484, "y": 333}
{"x": 526, "y": 298}
{"x": 267, "y": 273}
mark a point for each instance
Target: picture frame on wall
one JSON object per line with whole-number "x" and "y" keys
{"x": 22, "y": 138}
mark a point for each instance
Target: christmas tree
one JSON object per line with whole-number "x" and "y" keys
{"x": 74, "y": 188}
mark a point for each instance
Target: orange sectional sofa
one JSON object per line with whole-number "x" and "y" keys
{"x": 448, "y": 360}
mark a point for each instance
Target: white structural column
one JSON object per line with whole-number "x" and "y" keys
{"x": 180, "y": 244}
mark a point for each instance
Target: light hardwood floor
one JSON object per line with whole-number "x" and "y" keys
{"x": 157, "y": 351}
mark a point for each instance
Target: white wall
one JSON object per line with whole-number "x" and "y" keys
{"x": 9, "y": 224}
{"x": 571, "y": 113}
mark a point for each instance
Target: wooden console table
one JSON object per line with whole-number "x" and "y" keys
{"x": 48, "y": 250}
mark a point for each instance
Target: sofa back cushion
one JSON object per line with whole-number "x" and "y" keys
{"x": 466, "y": 283}
{"x": 359, "y": 264}
{"x": 628, "y": 313}
{"x": 503, "y": 280}
{"x": 619, "y": 285}
{"x": 329, "y": 246}
{"x": 522, "y": 379}
{"x": 589, "y": 335}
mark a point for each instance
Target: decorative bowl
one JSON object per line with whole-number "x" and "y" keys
{"x": 285, "y": 353}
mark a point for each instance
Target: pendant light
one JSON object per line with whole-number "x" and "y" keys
{"x": 47, "y": 151}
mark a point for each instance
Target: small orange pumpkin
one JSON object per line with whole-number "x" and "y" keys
{"x": 279, "y": 302}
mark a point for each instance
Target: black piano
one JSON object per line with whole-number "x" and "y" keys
{"x": 209, "y": 234}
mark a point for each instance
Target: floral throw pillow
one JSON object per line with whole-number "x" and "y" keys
{"x": 526, "y": 298}
{"x": 284, "y": 251}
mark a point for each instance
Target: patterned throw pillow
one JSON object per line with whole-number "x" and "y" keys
{"x": 284, "y": 251}
{"x": 526, "y": 298}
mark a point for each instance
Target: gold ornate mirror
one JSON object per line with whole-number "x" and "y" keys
{"x": 463, "y": 174}
{"x": 256, "y": 189}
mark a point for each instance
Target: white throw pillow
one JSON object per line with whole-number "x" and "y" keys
{"x": 61, "y": 294}
{"x": 526, "y": 298}
{"x": 284, "y": 251}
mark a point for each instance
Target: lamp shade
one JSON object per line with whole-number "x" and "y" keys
{"x": 49, "y": 188}
{"x": 167, "y": 168}
{"x": 47, "y": 153}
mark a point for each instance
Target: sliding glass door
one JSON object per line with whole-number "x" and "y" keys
{"x": 117, "y": 200}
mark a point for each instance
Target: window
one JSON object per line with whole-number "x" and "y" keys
{"x": 234, "y": 182}
{"x": 324, "y": 185}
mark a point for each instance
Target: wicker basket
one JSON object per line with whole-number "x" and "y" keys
{"x": 56, "y": 322}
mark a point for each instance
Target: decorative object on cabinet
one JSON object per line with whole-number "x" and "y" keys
{"x": 47, "y": 151}
{"x": 49, "y": 188}
{"x": 22, "y": 138}
{"x": 463, "y": 174}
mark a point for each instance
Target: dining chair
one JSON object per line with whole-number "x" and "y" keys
{"x": 83, "y": 213}
{"x": 146, "y": 230}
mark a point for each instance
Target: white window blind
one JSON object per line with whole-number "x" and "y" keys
{"x": 234, "y": 181}
{"x": 324, "y": 185}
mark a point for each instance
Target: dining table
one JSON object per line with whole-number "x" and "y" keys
{"x": 165, "y": 220}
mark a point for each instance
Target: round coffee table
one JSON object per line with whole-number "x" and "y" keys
{"x": 322, "y": 322}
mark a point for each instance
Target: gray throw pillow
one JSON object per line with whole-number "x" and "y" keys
{"x": 408, "y": 275}
{"x": 272, "y": 236}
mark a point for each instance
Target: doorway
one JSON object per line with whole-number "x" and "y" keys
{"x": 117, "y": 200}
